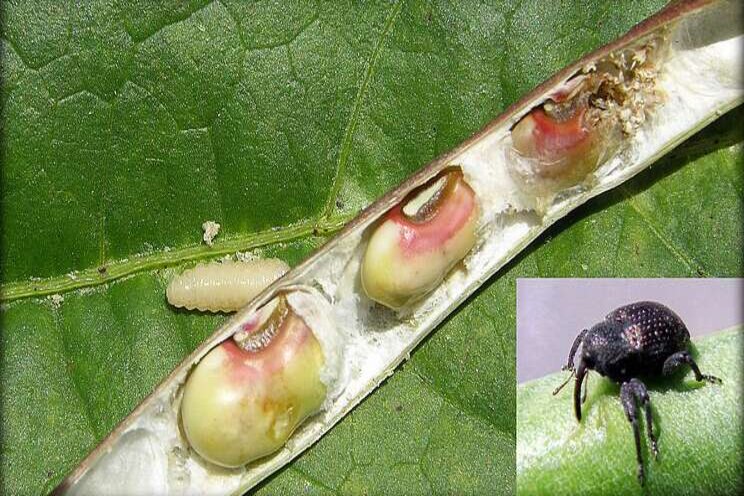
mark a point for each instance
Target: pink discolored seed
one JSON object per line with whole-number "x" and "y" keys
{"x": 244, "y": 399}
{"x": 420, "y": 240}
{"x": 562, "y": 147}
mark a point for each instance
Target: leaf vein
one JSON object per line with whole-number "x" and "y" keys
{"x": 172, "y": 23}
{"x": 678, "y": 252}
{"x": 237, "y": 25}
{"x": 70, "y": 372}
{"x": 267, "y": 46}
{"x": 621, "y": 232}
{"x": 455, "y": 403}
{"x": 312, "y": 480}
{"x": 347, "y": 139}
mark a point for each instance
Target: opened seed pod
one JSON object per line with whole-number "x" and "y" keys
{"x": 588, "y": 129}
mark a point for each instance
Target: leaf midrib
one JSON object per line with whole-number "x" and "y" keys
{"x": 112, "y": 271}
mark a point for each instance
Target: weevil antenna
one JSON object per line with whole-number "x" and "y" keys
{"x": 558, "y": 389}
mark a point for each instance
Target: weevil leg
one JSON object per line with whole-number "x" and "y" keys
{"x": 628, "y": 399}
{"x": 680, "y": 358}
{"x": 641, "y": 394}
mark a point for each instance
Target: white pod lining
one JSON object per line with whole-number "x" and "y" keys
{"x": 317, "y": 313}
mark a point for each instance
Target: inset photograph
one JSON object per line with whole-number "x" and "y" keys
{"x": 630, "y": 386}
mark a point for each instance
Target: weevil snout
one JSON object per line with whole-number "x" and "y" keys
{"x": 581, "y": 371}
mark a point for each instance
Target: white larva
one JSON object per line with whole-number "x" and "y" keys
{"x": 223, "y": 286}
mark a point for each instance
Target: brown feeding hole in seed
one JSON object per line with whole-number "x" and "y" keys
{"x": 259, "y": 334}
{"x": 424, "y": 202}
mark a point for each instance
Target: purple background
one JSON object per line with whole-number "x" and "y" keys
{"x": 551, "y": 312}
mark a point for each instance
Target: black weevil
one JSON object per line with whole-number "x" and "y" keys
{"x": 640, "y": 339}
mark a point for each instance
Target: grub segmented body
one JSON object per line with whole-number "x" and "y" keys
{"x": 223, "y": 286}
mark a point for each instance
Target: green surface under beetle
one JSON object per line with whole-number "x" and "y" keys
{"x": 125, "y": 125}
{"x": 700, "y": 428}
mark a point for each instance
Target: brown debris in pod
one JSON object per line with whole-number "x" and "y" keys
{"x": 560, "y": 143}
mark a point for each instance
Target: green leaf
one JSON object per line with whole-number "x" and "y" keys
{"x": 127, "y": 124}
{"x": 699, "y": 427}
